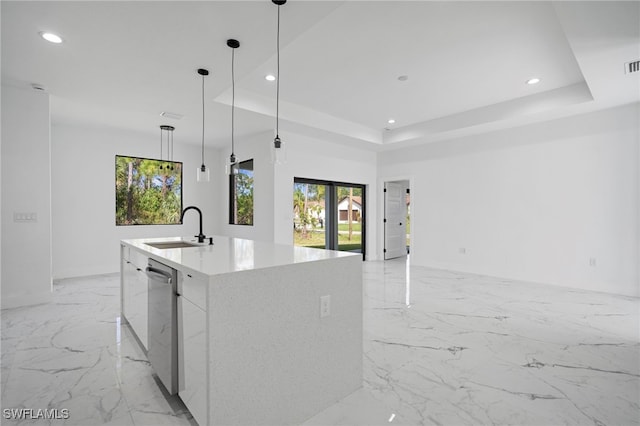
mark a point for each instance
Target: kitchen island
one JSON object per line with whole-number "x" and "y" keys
{"x": 267, "y": 333}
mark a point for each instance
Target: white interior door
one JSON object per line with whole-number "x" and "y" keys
{"x": 395, "y": 215}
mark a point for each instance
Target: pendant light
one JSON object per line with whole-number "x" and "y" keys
{"x": 232, "y": 166}
{"x": 203, "y": 171}
{"x": 278, "y": 153}
{"x": 167, "y": 132}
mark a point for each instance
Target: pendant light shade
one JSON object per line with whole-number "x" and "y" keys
{"x": 278, "y": 153}
{"x": 166, "y": 133}
{"x": 232, "y": 166}
{"x": 203, "y": 170}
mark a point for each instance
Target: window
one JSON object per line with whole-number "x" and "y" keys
{"x": 148, "y": 192}
{"x": 329, "y": 215}
{"x": 241, "y": 194}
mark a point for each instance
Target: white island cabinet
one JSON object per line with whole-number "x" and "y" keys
{"x": 268, "y": 333}
{"x": 192, "y": 339}
{"x": 134, "y": 292}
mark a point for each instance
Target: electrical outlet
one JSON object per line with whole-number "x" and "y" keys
{"x": 325, "y": 306}
{"x": 462, "y": 250}
{"x": 592, "y": 261}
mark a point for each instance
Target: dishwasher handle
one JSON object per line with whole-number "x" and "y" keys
{"x": 158, "y": 275}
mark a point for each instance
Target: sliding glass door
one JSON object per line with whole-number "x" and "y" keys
{"x": 309, "y": 206}
{"x": 329, "y": 215}
{"x": 350, "y": 218}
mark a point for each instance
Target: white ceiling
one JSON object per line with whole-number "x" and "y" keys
{"x": 122, "y": 63}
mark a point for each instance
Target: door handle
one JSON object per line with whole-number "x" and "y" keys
{"x": 400, "y": 223}
{"x": 158, "y": 275}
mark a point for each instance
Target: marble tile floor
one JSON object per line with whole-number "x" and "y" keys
{"x": 440, "y": 348}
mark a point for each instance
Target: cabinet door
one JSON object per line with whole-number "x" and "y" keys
{"x": 134, "y": 287}
{"x": 128, "y": 275}
{"x": 192, "y": 358}
{"x": 138, "y": 308}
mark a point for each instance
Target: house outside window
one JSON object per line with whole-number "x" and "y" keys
{"x": 343, "y": 209}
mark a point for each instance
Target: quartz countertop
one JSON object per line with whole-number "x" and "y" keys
{"x": 229, "y": 254}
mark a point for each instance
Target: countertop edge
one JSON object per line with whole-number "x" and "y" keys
{"x": 167, "y": 256}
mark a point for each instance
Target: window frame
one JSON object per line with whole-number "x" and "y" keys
{"x": 233, "y": 191}
{"x": 331, "y": 207}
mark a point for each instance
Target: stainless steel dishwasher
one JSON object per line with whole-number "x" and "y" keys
{"x": 163, "y": 329}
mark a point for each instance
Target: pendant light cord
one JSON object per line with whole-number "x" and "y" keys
{"x": 171, "y": 156}
{"x": 233, "y": 99}
{"x": 203, "y": 121}
{"x": 278, "y": 76}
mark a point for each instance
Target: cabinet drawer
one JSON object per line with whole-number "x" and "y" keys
{"x": 138, "y": 259}
{"x": 125, "y": 252}
{"x": 195, "y": 290}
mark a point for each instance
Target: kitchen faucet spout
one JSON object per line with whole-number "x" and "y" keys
{"x": 200, "y": 236}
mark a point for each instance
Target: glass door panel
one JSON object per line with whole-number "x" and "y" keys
{"x": 329, "y": 215}
{"x": 350, "y": 214}
{"x": 309, "y": 215}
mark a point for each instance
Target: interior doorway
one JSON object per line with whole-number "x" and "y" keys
{"x": 397, "y": 219}
{"x": 329, "y": 215}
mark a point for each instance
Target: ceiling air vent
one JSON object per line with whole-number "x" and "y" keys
{"x": 631, "y": 67}
{"x": 171, "y": 115}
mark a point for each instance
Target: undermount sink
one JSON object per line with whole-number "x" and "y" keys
{"x": 172, "y": 244}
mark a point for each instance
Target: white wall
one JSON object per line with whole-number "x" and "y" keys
{"x": 534, "y": 203}
{"x": 1, "y": 212}
{"x": 273, "y": 191}
{"x": 314, "y": 159}
{"x": 26, "y": 246}
{"x": 257, "y": 148}
{"x": 85, "y": 237}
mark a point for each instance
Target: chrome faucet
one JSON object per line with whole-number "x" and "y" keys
{"x": 200, "y": 236}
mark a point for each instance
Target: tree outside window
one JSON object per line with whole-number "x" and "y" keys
{"x": 241, "y": 194}
{"x": 148, "y": 191}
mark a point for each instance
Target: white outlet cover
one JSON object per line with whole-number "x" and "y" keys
{"x": 325, "y": 306}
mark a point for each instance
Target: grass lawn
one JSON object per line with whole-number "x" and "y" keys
{"x": 316, "y": 240}
{"x": 350, "y": 247}
{"x": 312, "y": 239}
{"x": 355, "y": 226}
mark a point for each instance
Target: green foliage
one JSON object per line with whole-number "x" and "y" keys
{"x": 244, "y": 197}
{"x": 343, "y": 191}
{"x": 304, "y": 193}
{"x": 147, "y": 191}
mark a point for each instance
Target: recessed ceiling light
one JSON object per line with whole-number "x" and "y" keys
{"x": 270, "y": 77}
{"x": 391, "y": 121}
{"x": 51, "y": 37}
{"x": 533, "y": 81}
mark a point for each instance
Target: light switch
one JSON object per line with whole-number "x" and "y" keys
{"x": 25, "y": 217}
